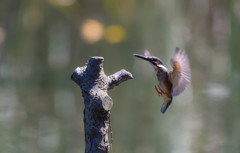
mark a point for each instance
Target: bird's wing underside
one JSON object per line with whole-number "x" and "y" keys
{"x": 181, "y": 74}
{"x": 147, "y": 53}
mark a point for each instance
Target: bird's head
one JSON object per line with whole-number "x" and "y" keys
{"x": 155, "y": 61}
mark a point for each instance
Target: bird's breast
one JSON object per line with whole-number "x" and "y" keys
{"x": 164, "y": 83}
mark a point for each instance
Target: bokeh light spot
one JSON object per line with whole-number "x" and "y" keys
{"x": 115, "y": 34}
{"x": 91, "y": 30}
{"x": 63, "y": 2}
{"x": 2, "y": 35}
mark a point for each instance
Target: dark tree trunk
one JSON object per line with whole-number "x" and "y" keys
{"x": 94, "y": 85}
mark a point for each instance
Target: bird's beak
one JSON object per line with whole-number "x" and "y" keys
{"x": 142, "y": 57}
{"x": 149, "y": 59}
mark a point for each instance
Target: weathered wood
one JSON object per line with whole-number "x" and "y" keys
{"x": 94, "y": 85}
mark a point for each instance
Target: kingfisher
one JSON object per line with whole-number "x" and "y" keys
{"x": 170, "y": 83}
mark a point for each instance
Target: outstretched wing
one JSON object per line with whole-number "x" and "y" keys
{"x": 181, "y": 74}
{"x": 147, "y": 53}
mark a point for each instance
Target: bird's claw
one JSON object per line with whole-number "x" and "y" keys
{"x": 160, "y": 92}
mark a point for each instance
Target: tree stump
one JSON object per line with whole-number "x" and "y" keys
{"x": 94, "y": 85}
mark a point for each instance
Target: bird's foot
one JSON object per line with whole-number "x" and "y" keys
{"x": 160, "y": 92}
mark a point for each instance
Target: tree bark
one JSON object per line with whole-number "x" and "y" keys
{"x": 94, "y": 85}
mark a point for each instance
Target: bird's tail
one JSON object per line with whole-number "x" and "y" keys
{"x": 166, "y": 104}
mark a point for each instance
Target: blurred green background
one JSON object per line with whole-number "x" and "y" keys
{"x": 43, "y": 41}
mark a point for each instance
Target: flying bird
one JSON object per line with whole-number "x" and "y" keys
{"x": 170, "y": 83}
